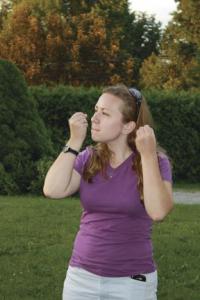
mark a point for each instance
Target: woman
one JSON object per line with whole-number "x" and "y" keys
{"x": 125, "y": 184}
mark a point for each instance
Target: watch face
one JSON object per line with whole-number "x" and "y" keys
{"x": 66, "y": 148}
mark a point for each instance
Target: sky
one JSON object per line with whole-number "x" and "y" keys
{"x": 161, "y": 9}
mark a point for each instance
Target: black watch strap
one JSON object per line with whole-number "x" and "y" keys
{"x": 66, "y": 149}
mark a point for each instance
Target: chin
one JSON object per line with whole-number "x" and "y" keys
{"x": 96, "y": 139}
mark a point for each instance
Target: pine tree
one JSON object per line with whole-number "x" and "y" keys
{"x": 24, "y": 139}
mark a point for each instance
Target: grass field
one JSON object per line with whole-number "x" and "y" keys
{"x": 36, "y": 237}
{"x": 189, "y": 187}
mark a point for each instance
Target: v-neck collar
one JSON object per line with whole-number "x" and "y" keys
{"x": 118, "y": 167}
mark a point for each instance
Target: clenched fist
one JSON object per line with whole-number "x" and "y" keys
{"x": 145, "y": 140}
{"x": 78, "y": 126}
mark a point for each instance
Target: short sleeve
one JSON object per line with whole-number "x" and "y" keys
{"x": 165, "y": 167}
{"x": 81, "y": 160}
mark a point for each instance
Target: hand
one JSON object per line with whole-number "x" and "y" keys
{"x": 78, "y": 126}
{"x": 145, "y": 140}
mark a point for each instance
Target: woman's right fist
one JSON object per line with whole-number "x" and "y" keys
{"x": 78, "y": 126}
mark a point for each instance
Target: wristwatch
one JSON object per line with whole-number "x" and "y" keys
{"x": 67, "y": 148}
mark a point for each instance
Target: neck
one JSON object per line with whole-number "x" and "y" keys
{"x": 119, "y": 154}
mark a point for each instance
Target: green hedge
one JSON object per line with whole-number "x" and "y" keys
{"x": 57, "y": 105}
{"x": 34, "y": 128}
{"x": 176, "y": 116}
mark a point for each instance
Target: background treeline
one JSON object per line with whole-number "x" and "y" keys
{"x": 76, "y": 42}
{"x": 34, "y": 128}
{"x": 94, "y": 43}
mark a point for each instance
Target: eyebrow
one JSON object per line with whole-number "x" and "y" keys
{"x": 103, "y": 108}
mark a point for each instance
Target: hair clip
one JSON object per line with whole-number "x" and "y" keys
{"x": 137, "y": 95}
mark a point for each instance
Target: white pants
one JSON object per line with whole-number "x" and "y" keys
{"x": 83, "y": 285}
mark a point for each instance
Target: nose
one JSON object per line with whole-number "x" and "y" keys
{"x": 95, "y": 117}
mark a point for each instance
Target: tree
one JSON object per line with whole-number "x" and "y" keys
{"x": 4, "y": 9}
{"x": 22, "y": 41}
{"x": 77, "y": 42}
{"x": 53, "y": 48}
{"x": 23, "y": 136}
{"x": 141, "y": 39}
{"x": 179, "y": 56}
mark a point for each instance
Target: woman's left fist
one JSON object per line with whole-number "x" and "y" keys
{"x": 145, "y": 140}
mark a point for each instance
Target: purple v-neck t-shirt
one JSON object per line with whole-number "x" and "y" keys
{"x": 114, "y": 238}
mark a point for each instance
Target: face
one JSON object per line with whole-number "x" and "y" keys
{"x": 107, "y": 125}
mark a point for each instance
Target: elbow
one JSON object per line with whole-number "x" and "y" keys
{"x": 160, "y": 216}
{"x": 45, "y": 193}
{"x": 157, "y": 218}
{"x": 53, "y": 194}
{"x": 45, "y": 190}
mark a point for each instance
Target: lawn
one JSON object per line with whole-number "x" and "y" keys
{"x": 189, "y": 187}
{"x": 36, "y": 236}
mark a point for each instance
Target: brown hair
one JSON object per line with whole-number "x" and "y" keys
{"x": 101, "y": 154}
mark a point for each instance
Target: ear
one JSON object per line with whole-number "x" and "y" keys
{"x": 129, "y": 127}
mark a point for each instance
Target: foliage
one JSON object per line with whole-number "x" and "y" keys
{"x": 27, "y": 152}
{"x": 177, "y": 128}
{"x": 4, "y": 8}
{"x": 77, "y": 42}
{"x": 23, "y": 136}
{"x": 56, "y": 105}
{"x": 142, "y": 36}
{"x": 176, "y": 116}
{"x": 178, "y": 64}
{"x": 40, "y": 49}
{"x": 7, "y": 185}
{"x": 42, "y": 167}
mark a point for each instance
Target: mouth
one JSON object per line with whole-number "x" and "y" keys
{"x": 93, "y": 129}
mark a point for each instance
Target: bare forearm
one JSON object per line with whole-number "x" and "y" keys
{"x": 60, "y": 172}
{"x": 157, "y": 199}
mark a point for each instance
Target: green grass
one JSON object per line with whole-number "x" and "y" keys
{"x": 188, "y": 187}
{"x": 177, "y": 253}
{"x": 36, "y": 236}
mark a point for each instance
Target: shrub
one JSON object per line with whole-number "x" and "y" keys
{"x": 7, "y": 186}
{"x": 23, "y": 136}
{"x": 41, "y": 167}
{"x": 176, "y": 117}
{"x": 56, "y": 105}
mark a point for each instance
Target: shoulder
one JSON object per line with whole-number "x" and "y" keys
{"x": 163, "y": 156}
{"x": 165, "y": 166}
{"x": 82, "y": 159}
{"x": 85, "y": 153}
